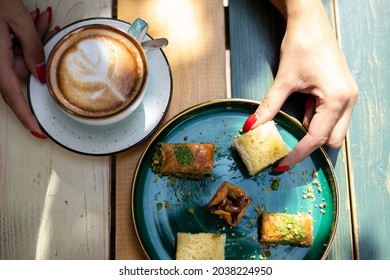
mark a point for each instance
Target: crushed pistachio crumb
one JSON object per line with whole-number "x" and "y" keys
{"x": 275, "y": 183}
{"x": 183, "y": 154}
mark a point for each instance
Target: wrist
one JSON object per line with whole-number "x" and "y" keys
{"x": 298, "y": 9}
{"x": 306, "y": 19}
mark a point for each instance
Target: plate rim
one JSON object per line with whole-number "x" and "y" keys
{"x": 145, "y": 137}
{"x": 220, "y": 101}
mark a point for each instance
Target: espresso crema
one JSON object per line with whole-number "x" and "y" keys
{"x": 96, "y": 71}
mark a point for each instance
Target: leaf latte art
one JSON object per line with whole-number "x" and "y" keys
{"x": 96, "y": 71}
{"x": 89, "y": 65}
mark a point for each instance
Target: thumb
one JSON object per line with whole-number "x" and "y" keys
{"x": 24, "y": 28}
{"x": 269, "y": 106}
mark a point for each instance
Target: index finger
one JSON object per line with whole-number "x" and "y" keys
{"x": 270, "y": 105}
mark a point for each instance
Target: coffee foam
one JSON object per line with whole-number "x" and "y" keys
{"x": 96, "y": 72}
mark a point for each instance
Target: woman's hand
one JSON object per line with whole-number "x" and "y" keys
{"x": 21, "y": 53}
{"x": 311, "y": 62}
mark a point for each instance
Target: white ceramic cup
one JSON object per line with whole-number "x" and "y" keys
{"x": 97, "y": 74}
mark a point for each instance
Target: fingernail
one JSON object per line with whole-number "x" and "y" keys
{"x": 50, "y": 12}
{"x": 309, "y": 101}
{"x": 249, "y": 123}
{"x": 41, "y": 72}
{"x": 281, "y": 169}
{"x": 38, "y": 135}
{"x": 57, "y": 28}
{"x": 37, "y": 13}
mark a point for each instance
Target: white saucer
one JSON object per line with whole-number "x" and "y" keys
{"x": 109, "y": 139}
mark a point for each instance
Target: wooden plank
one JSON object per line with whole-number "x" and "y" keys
{"x": 196, "y": 53}
{"x": 256, "y": 30}
{"x": 342, "y": 247}
{"x": 363, "y": 30}
{"x": 255, "y": 37}
{"x": 54, "y": 203}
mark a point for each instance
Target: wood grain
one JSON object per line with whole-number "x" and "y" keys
{"x": 364, "y": 35}
{"x": 54, "y": 204}
{"x": 196, "y": 53}
{"x": 260, "y": 28}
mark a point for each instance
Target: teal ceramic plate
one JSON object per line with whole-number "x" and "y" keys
{"x": 163, "y": 206}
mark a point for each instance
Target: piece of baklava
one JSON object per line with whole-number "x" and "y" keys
{"x": 287, "y": 229}
{"x": 229, "y": 203}
{"x": 200, "y": 246}
{"x": 260, "y": 147}
{"x": 183, "y": 160}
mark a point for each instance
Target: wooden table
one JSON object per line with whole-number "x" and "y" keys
{"x": 56, "y": 204}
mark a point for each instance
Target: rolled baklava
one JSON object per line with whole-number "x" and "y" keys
{"x": 183, "y": 160}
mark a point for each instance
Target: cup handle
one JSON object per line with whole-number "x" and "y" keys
{"x": 138, "y": 29}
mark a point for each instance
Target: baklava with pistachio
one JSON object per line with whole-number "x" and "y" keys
{"x": 183, "y": 160}
{"x": 287, "y": 229}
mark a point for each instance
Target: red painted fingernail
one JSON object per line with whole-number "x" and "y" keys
{"x": 41, "y": 72}
{"x": 37, "y": 13}
{"x": 281, "y": 169}
{"x": 57, "y": 28}
{"x": 50, "y": 12}
{"x": 309, "y": 101}
{"x": 249, "y": 123}
{"x": 38, "y": 135}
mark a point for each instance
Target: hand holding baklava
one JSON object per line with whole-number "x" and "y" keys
{"x": 311, "y": 62}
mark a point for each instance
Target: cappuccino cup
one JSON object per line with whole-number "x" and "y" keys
{"x": 97, "y": 73}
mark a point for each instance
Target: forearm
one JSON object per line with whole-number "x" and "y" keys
{"x": 307, "y": 20}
